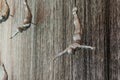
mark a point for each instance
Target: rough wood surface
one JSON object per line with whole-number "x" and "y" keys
{"x": 28, "y": 55}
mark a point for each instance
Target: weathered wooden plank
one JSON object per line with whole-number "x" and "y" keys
{"x": 68, "y": 31}
{"x": 114, "y": 55}
{"x": 57, "y": 24}
{"x": 28, "y": 56}
{"x": 78, "y": 59}
{"x": 99, "y": 25}
{"x": 94, "y": 34}
{"x": 16, "y": 53}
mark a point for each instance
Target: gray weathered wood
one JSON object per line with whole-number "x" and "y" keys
{"x": 114, "y": 33}
{"x": 28, "y": 55}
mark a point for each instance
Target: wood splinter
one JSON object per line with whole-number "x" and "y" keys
{"x": 27, "y": 21}
{"x": 6, "y": 13}
{"x": 76, "y": 38}
{"x": 5, "y": 76}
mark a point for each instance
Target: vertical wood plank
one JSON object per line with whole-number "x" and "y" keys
{"x": 78, "y": 58}
{"x": 28, "y": 56}
{"x": 93, "y": 64}
{"x": 114, "y": 55}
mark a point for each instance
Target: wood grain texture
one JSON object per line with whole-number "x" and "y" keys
{"x": 114, "y": 57}
{"x": 28, "y": 56}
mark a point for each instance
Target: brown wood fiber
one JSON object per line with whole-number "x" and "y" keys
{"x": 27, "y": 56}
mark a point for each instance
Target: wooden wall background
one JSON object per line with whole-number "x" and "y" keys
{"x": 27, "y": 56}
